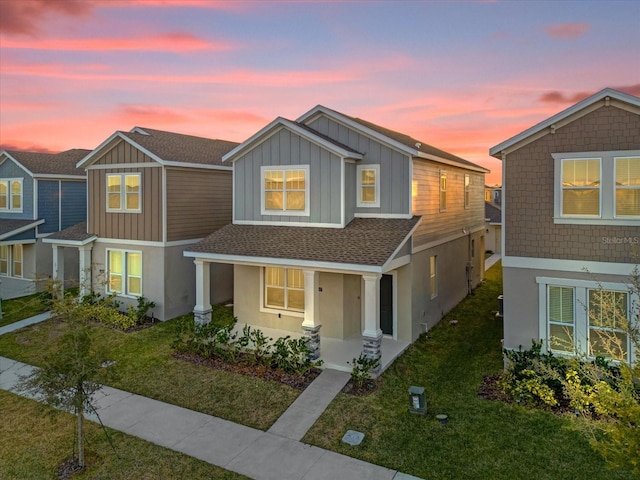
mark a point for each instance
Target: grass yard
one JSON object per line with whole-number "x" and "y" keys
{"x": 20, "y": 308}
{"x": 144, "y": 365}
{"x": 35, "y": 439}
{"x": 484, "y": 439}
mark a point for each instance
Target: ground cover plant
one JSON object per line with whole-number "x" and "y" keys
{"x": 33, "y": 445}
{"x": 483, "y": 438}
{"x": 18, "y": 309}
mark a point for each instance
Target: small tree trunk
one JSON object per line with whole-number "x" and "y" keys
{"x": 80, "y": 418}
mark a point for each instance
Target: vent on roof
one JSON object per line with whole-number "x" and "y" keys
{"x": 138, "y": 130}
{"x": 418, "y": 145}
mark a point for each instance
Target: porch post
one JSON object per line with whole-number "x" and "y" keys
{"x": 84, "y": 277}
{"x": 372, "y": 335}
{"x": 58, "y": 269}
{"x": 311, "y": 324}
{"x": 202, "y": 310}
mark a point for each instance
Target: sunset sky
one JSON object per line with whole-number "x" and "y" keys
{"x": 462, "y": 76}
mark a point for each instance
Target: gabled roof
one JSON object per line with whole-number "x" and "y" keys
{"x": 168, "y": 148}
{"x": 492, "y": 212}
{"x": 600, "y": 99}
{"x": 9, "y": 228}
{"x": 405, "y": 143}
{"x": 74, "y": 235}
{"x": 39, "y": 164}
{"x": 364, "y": 242}
{"x": 298, "y": 128}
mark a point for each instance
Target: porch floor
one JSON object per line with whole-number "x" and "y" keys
{"x": 338, "y": 354}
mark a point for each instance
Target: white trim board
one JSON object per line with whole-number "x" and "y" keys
{"x": 601, "y": 268}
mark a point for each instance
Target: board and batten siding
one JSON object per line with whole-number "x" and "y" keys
{"x": 289, "y": 149}
{"x": 74, "y": 203}
{"x": 198, "y": 202}
{"x": 9, "y": 169}
{"x": 143, "y": 226}
{"x": 436, "y": 224}
{"x": 121, "y": 152}
{"x": 61, "y": 204}
{"x": 394, "y": 167}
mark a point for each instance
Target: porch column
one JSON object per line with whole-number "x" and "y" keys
{"x": 84, "y": 253}
{"x": 311, "y": 324}
{"x": 58, "y": 269}
{"x": 202, "y": 310}
{"x": 372, "y": 335}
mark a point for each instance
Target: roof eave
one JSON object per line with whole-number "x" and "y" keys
{"x": 446, "y": 161}
{"x": 88, "y": 160}
{"x": 22, "y": 229}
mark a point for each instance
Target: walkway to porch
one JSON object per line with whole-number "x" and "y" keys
{"x": 338, "y": 354}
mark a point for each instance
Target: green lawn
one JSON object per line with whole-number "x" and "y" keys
{"x": 20, "y": 308}
{"x": 483, "y": 439}
{"x": 144, "y": 365}
{"x": 35, "y": 439}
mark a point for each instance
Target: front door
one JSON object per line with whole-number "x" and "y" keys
{"x": 386, "y": 304}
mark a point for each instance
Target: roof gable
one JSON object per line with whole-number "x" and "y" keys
{"x": 606, "y": 97}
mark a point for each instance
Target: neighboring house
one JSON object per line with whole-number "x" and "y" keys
{"x": 493, "y": 194}
{"x": 151, "y": 194}
{"x": 571, "y": 187}
{"x": 493, "y": 219}
{"x": 356, "y": 235}
{"x": 40, "y": 193}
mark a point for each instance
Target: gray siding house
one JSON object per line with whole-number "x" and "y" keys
{"x": 40, "y": 194}
{"x": 354, "y": 235}
{"x": 571, "y": 219}
{"x": 151, "y": 194}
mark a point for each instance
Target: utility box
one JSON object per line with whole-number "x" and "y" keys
{"x": 417, "y": 402}
{"x": 500, "y": 313}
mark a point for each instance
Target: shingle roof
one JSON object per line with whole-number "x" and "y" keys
{"x": 177, "y": 147}
{"x": 492, "y": 212}
{"x": 63, "y": 163}
{"x": 7, "y": 226}
{"x": 75, "y": 233}
{"x": 364, "y": 241}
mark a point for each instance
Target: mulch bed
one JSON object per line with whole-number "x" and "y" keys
{"x": 299, "y": 382}
{"x": 69, "y": 467}
{"x": 367, "y": 388}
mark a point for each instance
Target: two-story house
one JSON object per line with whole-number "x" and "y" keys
{"x": 151, "y": 194}
{"x": 357, "y": 236}
{"x": 40, "y": 193}
{"x": 571, "y": 216}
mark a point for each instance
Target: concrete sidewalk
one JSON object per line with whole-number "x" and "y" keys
{"x": 491, "y": 261}
{"x": 272, "y": 455}
{"x": 25, "y": 323}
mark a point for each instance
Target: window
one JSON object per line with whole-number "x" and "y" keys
{"x": 123, "y": 192}
{"x": 125, "y": 272}
{"x": 11, "y": 194}
{"x": 16, "y": 256}
{"x": 443, "y": 191}
{"x": 561, "y": 319}
{"x": 597, "y": 188}
{"x": 627, "y": 187}
{"x": 11, "y": 260}
{"x": 467, "y": 191}
{"x": 284, "y": 288}
{"x": 4, "y": 259}
{"x": 285, "y": 190}
{"x": 608, "y": 313}
{"x": 433, "y": 276}
{"x": 368, "y": 185}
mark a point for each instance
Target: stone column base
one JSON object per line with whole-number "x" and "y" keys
{"x": 372, "y": 348}
{"x": 202, "y": 317}
{"x": 312, "y": 335}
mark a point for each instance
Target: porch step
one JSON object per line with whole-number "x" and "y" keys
{"x": 307, "y": 408}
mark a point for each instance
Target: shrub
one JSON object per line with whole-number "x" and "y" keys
{"x": 138, "y": 312}
{"x": 362, "y": 368}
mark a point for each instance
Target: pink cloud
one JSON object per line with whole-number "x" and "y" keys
{"x": 566, "y": 31}
{"x": 24, "y": 17}
{"x": 24, "y": 146}
{"x": 169, "y": 42}
{"x": 559, "y": 97}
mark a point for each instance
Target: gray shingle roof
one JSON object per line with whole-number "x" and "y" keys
{"x": 63, "y": 163}
{"x": 492, "y": 212}
{"x": 75, "y": 233}
{"x": 364, "y": 241}
{"x": 7, "y": 226}
{"x": 177, "y": 147}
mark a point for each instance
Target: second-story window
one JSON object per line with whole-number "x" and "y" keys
{"x": 124, "y": 192}
{"x": 467, "y": 191}
{"x": 627, "y": 187}
{"x": 581, "y": 186}
{"x": 285, "y": 191}
{"x": 368, "y": 185}
{"x": 443, "y": 191}
{"x": 11, "y": 194}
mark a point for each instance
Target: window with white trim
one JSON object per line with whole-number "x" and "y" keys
{"x": 597, "y": 188}
{"x": 124, "y": 275}
{"x": 4, "y": 259}
{"x": 284, "y": 289}
{"x": 443, "y": 191}
{"x": 11, "y": 260}
{"x": 16, "y": 260}
{"x": 467, "y": 190}
{"x": 561, "y": 319}
{"x": 124, "y": 192}
{"x": 11, "y": 194}
{"x": 285, "y": 191}
{"x": 433, "y": 276}
{"x": 608, "y": 312}
{"x": 368, "y": 185}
